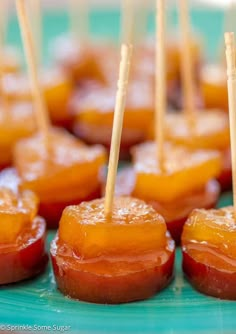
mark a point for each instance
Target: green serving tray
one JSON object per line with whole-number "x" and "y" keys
{"x": 177, "y": 309}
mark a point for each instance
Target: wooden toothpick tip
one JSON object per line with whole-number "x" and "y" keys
{"x": 231, "y": 74}
{"x": 27, "y": 38}
{"x": 126, "y": 53}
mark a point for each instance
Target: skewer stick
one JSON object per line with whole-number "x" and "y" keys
{"x": 73, "y": 18}
{"x": 4, "y": 15}
{"x": 231, "y": 73}
{"x": 41, "y": 111}
{"x": 160, "y": 85}
{"x": 79, "y": 19}
{"x": 142, "y": 19}
{"x": 36, "y": 24}
{"x": 3, "y": 24}
{"x": 228, "y": 25}
{"x": 187, "y": 64}
{"x": 126, "y": 53}
{"x": 127, "y": 21}
{"x": 84, "y": 21}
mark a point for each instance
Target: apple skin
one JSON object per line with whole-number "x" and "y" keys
{"x": 24, "y": 261}
{"x": 52, "y": 211}
{"x": 115, "y": 288}
{"x": 209, "y": 280}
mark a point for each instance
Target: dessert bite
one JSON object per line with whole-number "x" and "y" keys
{"x": 124, "y": 258}
{"x": 17, "y": 121}
{"x": 56, "y": 88}
{"x": 213, "y": 85}
{"x": 22, "y": 231}
{"x": 93, "y": 115}
{"x": 208, "y": 240}
{"x": 68, "y": 173}
{"x": 187, "y": 181}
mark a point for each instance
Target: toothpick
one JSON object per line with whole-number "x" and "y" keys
{"x": 187, "y": 64}
{"x": 73, "y": 18}
{"x": 127, "y": 21}
{"x": 231, "y": 73}
{"x": 126, "y": 52}
{"x": 229, "y": 22}
{"x": 79, "y": 20}
{"x": 142, "y": 19}
{"x": 36, "y": 24}
{"x": 160, "y": 86}
{"x": 228, "y": 25}
{"x": 4, "y": 16}
{"x": 41, "y": 111}
{"x": 3, "y": 27}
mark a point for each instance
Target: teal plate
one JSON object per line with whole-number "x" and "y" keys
{"x": 178, "y": 309}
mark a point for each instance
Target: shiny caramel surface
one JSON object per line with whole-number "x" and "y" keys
{"x": 56, "y": 86}
{"x": 185, "y": 171}
{"x": 16, "y": 123}
{"x": 17, "y": 209}
{"x": 69, "y": 164}
{"x": 81, "y": 62}
{"x": 133, "y": 228}
{"x": 95, "y": 105}
{"x": 213, "y": 85}
{"x": 210, "y": 130}
{"x": 214, "y": 231}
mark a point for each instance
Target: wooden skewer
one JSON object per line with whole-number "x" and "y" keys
{"x": 127, "y": 21}
{"x": 73, "y": 18}
{"x": 4, "y": 15}
{"x": 187, "y": 64}
{"x": 3, "y": 28}
{"x": 228, "y": 25}
{"x": 79, "y": 19}
{"x": 84, "y": 21}
{"x": 126, "y": 53}
{"x": 142, "y": 19}
{"x": 231, "y": 73}
{"x": 41, "y": 110}
{"x": 36, "y": 24}
{"x": 160, "y": 85}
